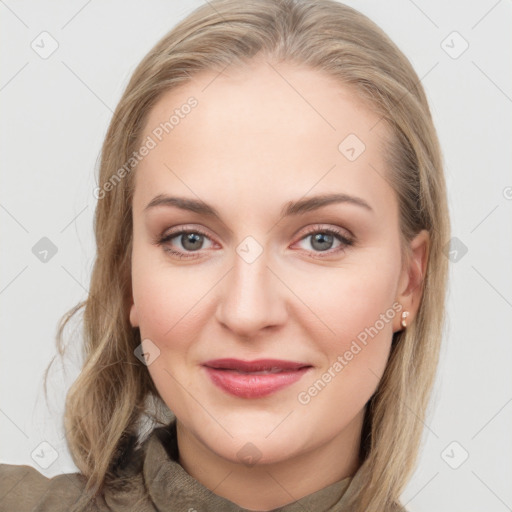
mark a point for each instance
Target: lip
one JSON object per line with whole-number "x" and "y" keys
{"x": 245, "y": 379}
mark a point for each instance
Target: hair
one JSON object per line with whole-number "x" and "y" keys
{"x": 114, "y": 392}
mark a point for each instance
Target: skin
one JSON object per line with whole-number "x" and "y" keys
{"x": 255, "y": 142}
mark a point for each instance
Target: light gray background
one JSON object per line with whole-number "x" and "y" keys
{"x": 55, "y": 113}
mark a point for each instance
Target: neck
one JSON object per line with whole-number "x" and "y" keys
{"x": 268, "y": 486}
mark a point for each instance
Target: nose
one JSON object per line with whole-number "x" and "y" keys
{"x": 252, "y": 298}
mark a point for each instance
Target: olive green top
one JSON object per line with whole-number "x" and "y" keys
{"x": 150, "y": 480}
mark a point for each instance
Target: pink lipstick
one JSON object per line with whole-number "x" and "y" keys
{"x": 254, "y": 379}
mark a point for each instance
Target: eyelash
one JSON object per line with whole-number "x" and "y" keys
{"x": 345, "y": 241}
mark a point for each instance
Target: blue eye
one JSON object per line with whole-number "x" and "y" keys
{"x": 322, "y": 240}
{"x": 192, "y": 241}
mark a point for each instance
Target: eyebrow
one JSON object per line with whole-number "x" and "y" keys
{"x": 291, "y": 208}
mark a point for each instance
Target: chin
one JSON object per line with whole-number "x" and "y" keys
{"x": 258, "y": 451}
{"x": 255, "y": 438}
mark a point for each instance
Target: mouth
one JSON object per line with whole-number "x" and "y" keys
{"x": 254, "y": 379}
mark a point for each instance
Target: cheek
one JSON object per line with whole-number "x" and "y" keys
{"x": 165, "y": 298}
{"x": 352, "y": 326}
{"x": 168, "y": 303}
{"x": 345, "y": 301}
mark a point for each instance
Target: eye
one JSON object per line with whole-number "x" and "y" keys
{"x": 188, "y": 241}
{"x": 326, "y": 240}
{"x": 184, "y": 242}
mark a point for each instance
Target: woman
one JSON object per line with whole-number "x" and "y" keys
{"x": 270, "y": 222}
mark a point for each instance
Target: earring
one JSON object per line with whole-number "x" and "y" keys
{"x": 405, "y": 314}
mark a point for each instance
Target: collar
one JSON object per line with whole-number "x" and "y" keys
{"x": 171, "y": 488}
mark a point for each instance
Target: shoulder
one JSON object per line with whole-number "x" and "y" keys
{"x": 23, "y": 488}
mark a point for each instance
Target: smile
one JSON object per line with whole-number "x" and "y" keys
{"x": 254, "y": 379}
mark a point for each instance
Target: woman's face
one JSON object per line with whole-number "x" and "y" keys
{"x": 266, "y": 272}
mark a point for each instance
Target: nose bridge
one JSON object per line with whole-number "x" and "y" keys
{"x": 252, "y": 297}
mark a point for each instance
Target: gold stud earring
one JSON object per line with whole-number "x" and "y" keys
{"x": 405, "y": 314}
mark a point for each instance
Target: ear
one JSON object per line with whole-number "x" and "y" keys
{"x": 410, "y": 288}
{"x": 134, "y": 317}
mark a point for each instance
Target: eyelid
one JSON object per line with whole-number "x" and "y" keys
{"x": 309, "y": 230}
{"x": 345, "y": 240}
{"x": 339, "y": 231}
{"x": 181, "y": 229}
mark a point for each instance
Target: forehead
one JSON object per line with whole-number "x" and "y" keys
{"x": 277, "y": 131}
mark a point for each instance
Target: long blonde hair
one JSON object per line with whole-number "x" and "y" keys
{"x": 114, "y": 391}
